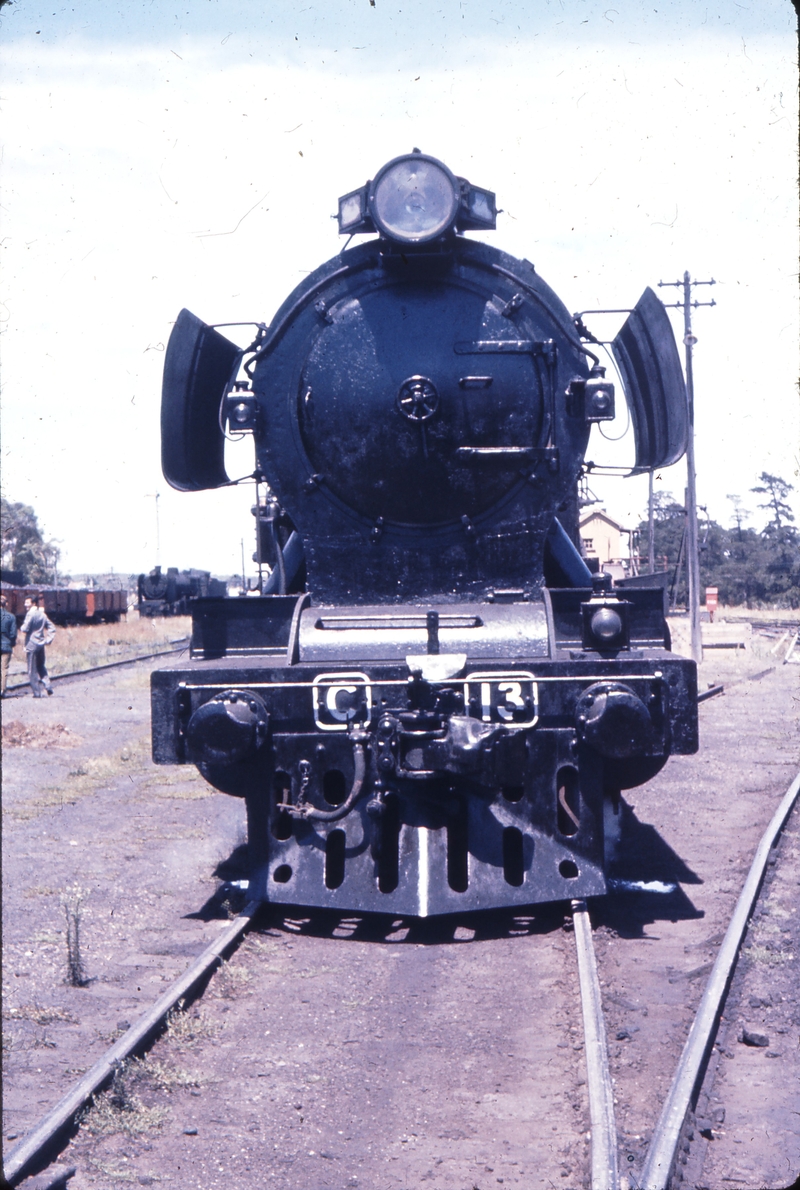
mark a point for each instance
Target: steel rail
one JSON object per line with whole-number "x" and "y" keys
{"x": 605, "y": 1174}
{"x": 22, "y": 1156}
{"x": 664, "y": 1142}
{"x": 93, "y": 669}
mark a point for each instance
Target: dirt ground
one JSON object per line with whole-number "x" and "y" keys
{"x": 350, "y": 1052}
{"x": 749, "y": 1112}
{"x": 708, "y": 813}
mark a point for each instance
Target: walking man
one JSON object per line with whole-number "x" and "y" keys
{"x": 38, "y": 632}
{"x": 8, "y": 638}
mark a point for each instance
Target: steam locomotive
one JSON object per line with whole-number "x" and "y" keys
{"x": 433, "y": 705}
{"x": 169, "y": 594}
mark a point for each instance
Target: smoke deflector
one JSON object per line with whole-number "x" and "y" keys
{"x": 198, "y": 368}
{"x": 648, "y": 360}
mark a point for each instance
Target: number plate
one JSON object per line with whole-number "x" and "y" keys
{"x": 512, "y": 699}
{"x": 509, "y": 698}
{"x": 341, "y": 699}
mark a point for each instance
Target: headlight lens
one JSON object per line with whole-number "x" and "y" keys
{"x": 414, "y": 199}
{"x": 606, "y": 624}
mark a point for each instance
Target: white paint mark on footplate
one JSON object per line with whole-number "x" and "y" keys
{"x": 423, "y": 869}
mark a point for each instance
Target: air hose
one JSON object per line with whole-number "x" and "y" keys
{"x": 306, "y": 811}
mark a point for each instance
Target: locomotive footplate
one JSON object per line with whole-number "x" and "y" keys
{"x": 430, "y": 786}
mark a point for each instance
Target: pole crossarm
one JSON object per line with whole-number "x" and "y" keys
{"x": 680, "y": 284}
{"x": 679, "y": 305}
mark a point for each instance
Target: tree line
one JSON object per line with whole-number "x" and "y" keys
{"x": 24, "y": 550}
{"x": 750, "y": 568}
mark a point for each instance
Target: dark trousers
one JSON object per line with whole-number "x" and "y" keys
{"x": 37, "y": 672}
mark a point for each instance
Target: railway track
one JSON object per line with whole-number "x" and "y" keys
{"x": 179, "y": 646}
{"x": 662, "y": 1167}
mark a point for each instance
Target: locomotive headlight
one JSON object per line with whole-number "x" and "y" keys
{"x": 414, "y": 199}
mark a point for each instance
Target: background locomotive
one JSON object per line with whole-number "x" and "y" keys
{"x": 435, "y": 705}
{"x": 169, "y": 594}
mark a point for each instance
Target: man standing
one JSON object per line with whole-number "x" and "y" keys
{"x": 8, "y": 638}
{"x": 38, "y": 632}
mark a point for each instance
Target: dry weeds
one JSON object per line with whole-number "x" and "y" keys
{"x": 121, "y": 1108}
{"x": 72, "y": 903}
{"x": 162, "y": 1076}
{"x": 89, "y": 775}
{"x": 86, "y": 645}
{"x": 38, "y": 1014}
{"x": 38, "y": 735}
{"x": 774, "y": 958}
{"x": 186, "y": 1029}
{"x": 231, "y": 982}
{"x": 114, "y": 1172}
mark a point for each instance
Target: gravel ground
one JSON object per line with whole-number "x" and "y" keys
{"x": 343, "y": 1052}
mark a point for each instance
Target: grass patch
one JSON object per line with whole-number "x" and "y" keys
{"x": 106, "y": 1116}
{"x": 88, "y": 775}
{"x": 83, "y": 646}
{"x": 760, "y": 954}
{"x": 179, "y": 783}
{"x": 186, "y": 1029}
{"x": 232, "y": 981}
{"x": 113, "y": 1172}
{"x": 162, "y": 1076}
{"x": 38, "y": 1014}
{"x": 186, "y": 795}
{"x": 121, "y": 1109}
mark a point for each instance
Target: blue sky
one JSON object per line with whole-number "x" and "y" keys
{"x": 160, "y": 156}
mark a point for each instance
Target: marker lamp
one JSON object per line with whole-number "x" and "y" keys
{"x": 241, "y": 407}
{"x": 478, "y": 209}
{"x": 353, "y": 215}
{"x": 606, "y": 624}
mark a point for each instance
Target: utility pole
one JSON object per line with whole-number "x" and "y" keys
{"x": 692, "y": 556}
{"x": 651, "y": 547}
{"x": 157, "y": 496}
